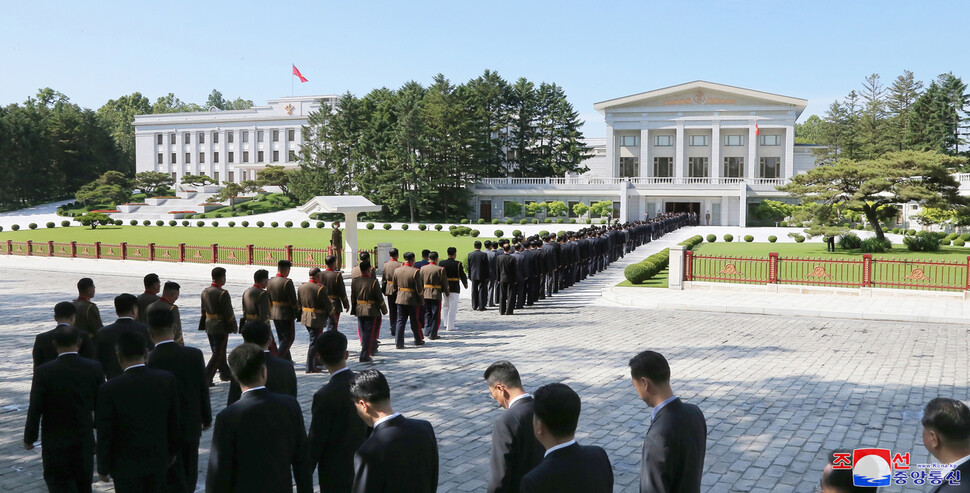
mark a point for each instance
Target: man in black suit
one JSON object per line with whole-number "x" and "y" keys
{"x": 522, "y": 274}
{"x": 259, "y": 442}
{"x": 506, "y": 268}
{"x": 280, "y": 373}
{"x": 567, "y": 466}
{"x": 62, "y": 401}
{"x": 138, "y": 422}
{"x": 946, "y": 435}
{"x": 195, "y": 414}
{"x": 126, "y": 306}
{"x": 673, "y": 450}
{"x": 401, "y": 454}
{"x": 44, "y": 348}
{"x": 478, "y": 272}
{"x": 515, "y": 450}
{"x": 551, "y": 260}
{"x": 492, "y": 251}
{"x": 336, "y": 431}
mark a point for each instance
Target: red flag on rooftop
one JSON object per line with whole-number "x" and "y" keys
{"x": 297, "y": 73}
{"x": 756, "y": 130}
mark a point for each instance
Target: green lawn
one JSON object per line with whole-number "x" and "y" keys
{"x": 817, "y": 249}
{"x": 266, "y": 236}
{"x": 657, "y": 281}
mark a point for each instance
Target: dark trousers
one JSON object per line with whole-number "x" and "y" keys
{"x": 542, "y": 286}
{"x": 311, "y": 355}
{"x": 480, "y": 295}
{"x": 217, "y": 362}
{"x": 392, "y": 313}
{"x": 520, "y": 293}
{"x": 185, "y": 471}
{"x": 69, "y": 468}
{"x": 286, "y": 333}
{"x": 405, "y": 313}
{"x": 550, "y": 286}
{"x": 333, "y": 321}
{"x": 535, "y": 289}
{"x": 367, "y": 330}
{"x": 507, "y": 298}
{"x": 149, "y": 483}
{"x": 432, "y": 318}
{"x": 494, "y": 292}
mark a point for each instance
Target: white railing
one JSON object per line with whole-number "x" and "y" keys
{"x": 962, "y": 177}
{"x": 642, "y": 180}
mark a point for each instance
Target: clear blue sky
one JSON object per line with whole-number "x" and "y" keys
{"x": 818, "y": 50}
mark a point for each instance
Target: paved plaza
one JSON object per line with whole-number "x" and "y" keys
{"x": 779, "y": 392}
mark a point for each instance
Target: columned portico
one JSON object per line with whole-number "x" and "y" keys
{"x": 752, "y": 158}
{"x": 679, "y": 151}
{"x": 645, "y": 167}
{"x": 715, "y": 149}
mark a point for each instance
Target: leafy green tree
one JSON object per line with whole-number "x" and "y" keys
{"x": 150, "y": 182}
{"x": 276, "y": 176}
{"x": 171, "y": 104}
{"x": 601, "y": 208}
{"x": 580, "y": 208}
{"x": 902, "y": 94}
{"x": 938, "y": 116}
{"x": 809, "y": 132}
{"x": 534, "y": 208}
{"x": 94, "y": 219}
{"x": 557, "y": 208}
{"x": 251, "y": 186}
{"x": 773, "y": 210}
{"x": 113, "y": 187}
{"x": 868, "y": 185}
{"x": 512, "y": 208}
{"x": 933, "y": 215}
{"x": 228, "y": 191}
{"x": 118, "y": 115}
{"x": 216, "y": 100}
{"x": 197, "y": 180}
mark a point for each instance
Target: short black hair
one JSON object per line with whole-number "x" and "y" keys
{"x": 950, "y": 419}
{"x": 131, "y": 345}
{"x": 454, "y": 251}
{"x": 331, "y": 346}
{"x": 160, "y": 321}
{"x": 392, "y": 252}
{"x": 652, "y": 365}
{"x": 283, "y": 264}
{"x": 477, "y": 244}
{"x": 170, "y": 286}
{"x": 841, "y": 479}
{"x": 151, "y": 280}
{"x": 66, "y": 336}
{"x": 257, "y": 333}
{"x": 125, "y": 302}
{"x": 64, "y": 309}
{"x": 84, "y": 284}
{"x": 370, "y": 386}
{"x": 503, "y": 372}
{"x": 314, "y": 271}
{"x": 218, "y": 273}
{"x": 260, "y": 275}
{"x": 364, "y": 255}
{"x": 425, "y": 253}
{"x": 408, "y": 256}
{"x": 558, "y": 407}
{"x": 488, "y": 243}
{"x": 364, "y": 265}
{"x": 330, "y": 260}
{"x": 246, "y": 361}
{"x": 433, "y": 256}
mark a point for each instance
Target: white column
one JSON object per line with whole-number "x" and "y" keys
{"x": 350, "y": 235}
{"x": 624, "y": 202}
{"x": 723, "y": 213}
{"x": 675, "y": 278}
{"x": 789, "y": 153}
{"x": 679, "y": 153}
{"x": 645, "y": 152}
{"x": 611, "y": 150}
{"x": 743, "y": 199}
{"x": 752, "y": 154}
{"x": 715, "y": 168}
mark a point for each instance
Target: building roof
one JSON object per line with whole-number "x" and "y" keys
{"x": 339, "y": 204}
{"x": 799, "y": 103}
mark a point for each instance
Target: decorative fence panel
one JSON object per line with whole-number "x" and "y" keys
{"x": 311, "y": 257}
{"x": 113, "y": 252}
{"x": 716, "y": 268}
{"x": 198, "y": 254}
{"x": 18, "y": 247}
{"x": 86, "y": 250}
{"x": 919, "y": 274}
{"x": 233, "y": 255}
{"x": 138, "y": 252}
{"x": 63, "y": 250}
{"x": 268, "y": 255}
{"x": 844, "y": 273}
{"x": 168, "y": 253}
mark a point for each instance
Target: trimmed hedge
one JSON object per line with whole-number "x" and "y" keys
{"x": 288, "y": 224}
{"x": 51, "y": 224}
{"x": 873, "y": 245}
{"x": 305, "y": 224}
{"x": 692, "y": 242}
{"x": 68, "y": 223}
{"x": 437, "y": 227}
{"x": 516, "y": 232}
{"x": 232, "y": 224}
{"x": 748, "y": 238}
{"x": 965, "y": 237}
{"x": 387, "y": 227}
{"x": 245, "y": 224}
{"x": 200, "y": 223}
{"x": 274, "y": 224}
{"x": 321, "y": 224}
{"x": 959, "y": 242}
{"x": 648, "y": 267}
{"x": 404, "y": 227}
{"x": 772, "y": 239}
{"x": 849, "y": 241}
{"x": 711, "y": 238}
{"x": 370, "y": 226}
{"x": 729, "y": 238}
{"x": 498, "y": 233}
{"x": 422, "y": 227}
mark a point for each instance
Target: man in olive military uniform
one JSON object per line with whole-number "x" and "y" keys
{"x": 337, "y": 242}
{"x": 88, "y": 317}
{"x": 367, "y": 304}
{"x": 435, "y": 287}
{"x": 387, "y": 285}
{"x": 333, "y": 280}
{"x": 355, "y": 272}
{"x": 257, "y": 306}
{"x": 455, "y": 272}
{"x": 285, "y": 307}
{"x": 152, "y": 286}
{"x": 316, "y": 310}
{"x": 218, "y": 321}
{"x": 170, "y": 294}
{"x": 409, "y": 286}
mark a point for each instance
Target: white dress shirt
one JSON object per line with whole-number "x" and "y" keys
{"x": 254, "y": 388}
{"x": 557, "y": 447}
{"x": 386, "y": 418}
{"x": 661, "y": 406}
{"x": 516, "y": 399}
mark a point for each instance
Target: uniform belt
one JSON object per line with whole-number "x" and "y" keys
{"x": 250, "y": 316}
{"x": 432, "y": 287}
{"x": 390, "y": 282}
{"x": 455, "y": 279}
{"x": 281, "y": 303}
{"x": 406, "y": 290}
{"x": 364, "y": 302}
{"x": 312, "y": 310}
{"x": 213, "y": 316}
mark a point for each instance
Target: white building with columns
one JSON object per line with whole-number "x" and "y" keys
{"x": 701, "y": 147}
{"x": 227, "y": 145}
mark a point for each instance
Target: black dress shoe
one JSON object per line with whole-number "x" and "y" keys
{"x": 399, "y": 346}
{"x": 364, "y": 359}
{"x": 419, "y": 343}
{"x": 435, "y": 338}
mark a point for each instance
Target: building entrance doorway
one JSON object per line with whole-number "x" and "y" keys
{"x": 485, "y": 210}
{"x": 676, "y": 207}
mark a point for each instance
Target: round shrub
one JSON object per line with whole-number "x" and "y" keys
{"x": 451, "y": 227}
{"x": 748, "y": 238}
{"x": 965, "y": 237}
{"x": 159, "y": 223}
{"x": 214, "y": 224}
{"x": 729, "y": 238}
{"x": 217, "y": 215}
{"x": 523, "y": 221}
{"x": 952, "y": 236}
{"x": 437, "y": 227}
{"x": 480, "y": 220}
{"x": 910, "y": 232}
{"x": 959, "y": 242}
{"x": 51, "y": 225}
{"x": 32, "y": 225}
{"x": 849, "y": 241}
{"x": 15, "y": 227}
{"x": 404, "y": 227}
{"x": 799, "y": 239}
{"x": 516, "y": 232}
{"x": 535, "y": 221}
{"x": 244, "y": 224}
{"x": 232, "y": 224}
{"x": 288, "y": 224}
{"x": 873, "y": 245}
{"x": 509, "y": 221}
{"x": 305, "y": 224}
{"x": 572, "y": 221}
{"x": 260, "y": 224}
{"x": 498, "y": 233}
{"x": 249, "y": 213}
{"x": 118, "y": 222}
{"x": 200, "y": 223}
{"x": 495, "y": 221}
{"x": 561, "y": 220}
{"x": 320, "y": 224}
{"x": 547, "y": 220}
{"x": 274, "y": 224}
{"x": 146, "y": 222}
{"x": 387, "y": 226}
{"x": 945, "y": 241}
{"x": 475, "y": 233}
{"x": 422, "y": 227}
{"x": 185, "y": 223}
{"x": 590, "y": 221}
{"x": 370, "y": 226}
{"x": 772, "y": 239}
{"x": 711, "y": 238}
{"x": 783, "y": 224}
{"x": 172, "y": 222}
{"x": 68, "y": 223}
{"x": 133, "y": 222}
{"x": 464, "y": 221}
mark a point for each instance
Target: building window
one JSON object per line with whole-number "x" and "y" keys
{"x": 259, "y": 136}
{"x": 245, "y": 156}
{"x": 187, "y": 138}
{"x": 630, "y": 140}
{"x": 175, "y": 176}
{"x": 171, "y": 138}
{"x": 215, "y": 137}
{"x": 292, "y": 156}
{"x": 276, "y": 135}
{"x": 771, "y": 167}
{"x": 734, "y": 140}
{"x": 215, "y": 176}
{"x": 158, "y": 139}
{"x": 245, "y": 135}
{"x": 663, "y": 167}
{"x": 188, "y": 158}
{"x": 232, "y": 176}
{"x": 201, "y": 158}
{"x": 771, "y": 140}
{"x": 697, "y": 167}
{"x": 229, "y": 138}
{"x": 629, "y": 167}
{"x": 231, "y": 160}
{"x": 734, "y": 167}
{"x": 569, "y": 206}
{"x": 173, "y": 158}
{"x": 159, "y": 158}
{"x": 291, "y": 135}
{"x": 698, "y": 140}
{"x": 259, "y": 156}
{"x": 505, "y": 208}
{"x": 215, "y": 157}
{"x": 663, "y": 141}
{"x": 202, "y": 137}
{"x": 276, "y": 156}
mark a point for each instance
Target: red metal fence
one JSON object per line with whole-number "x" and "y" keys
{"x": 246, "y": 255}
{"x": 942, "y": 275}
